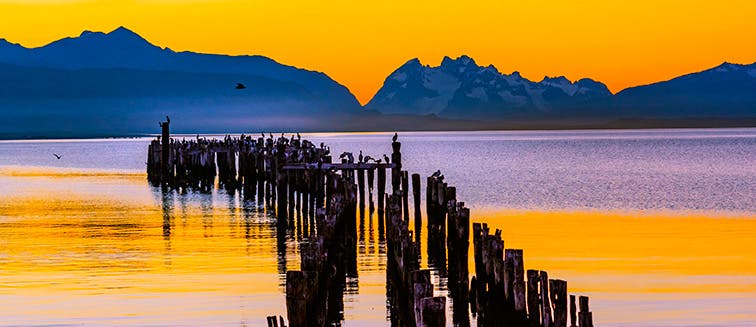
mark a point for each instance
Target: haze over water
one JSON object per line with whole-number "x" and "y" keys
{"x": 657, "y": 226}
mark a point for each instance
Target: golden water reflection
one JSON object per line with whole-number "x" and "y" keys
{"x": 104, "y": 248}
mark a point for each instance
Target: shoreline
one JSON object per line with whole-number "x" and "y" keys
{"x": 745, "y": 123}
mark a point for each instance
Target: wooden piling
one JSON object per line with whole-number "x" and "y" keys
{"x": 546, "y": 320}
{"x": 534, "y": 298}
{"x": 416, "y": 199}
{"x": 573, "y": 312}
{"x": 361, "y": 187}
{"x": 165, "y": 165}
{"x": 405, "y": 195}
{"x": 585, "y": 316}
{"x": 381, "y": 194}
{"x": 396, "y": 172}
{"x": 558, "y": 294}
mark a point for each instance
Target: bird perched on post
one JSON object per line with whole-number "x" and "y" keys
{"x": 168, "y": 119}
{"x": 386, "y": 158}
{"x": 360, "y": 157}
{"x": 438, "y": 175}
{"x": 396, "y": 137}
{"x": 348, "y": 156}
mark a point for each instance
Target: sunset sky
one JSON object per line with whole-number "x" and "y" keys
{"x": 358, "y": 43}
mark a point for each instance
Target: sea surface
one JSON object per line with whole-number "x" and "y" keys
{"x": 658, "y": 227}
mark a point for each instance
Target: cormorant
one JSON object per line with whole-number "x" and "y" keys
{"x": 360, "y": 157}
{"x": 386, "y": 158}
{"x": 396, "y": 137}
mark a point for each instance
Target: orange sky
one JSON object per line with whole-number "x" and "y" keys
{"x": 358, "y": 43}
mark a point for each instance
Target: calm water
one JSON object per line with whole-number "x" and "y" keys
{"x": 657, "y": 226}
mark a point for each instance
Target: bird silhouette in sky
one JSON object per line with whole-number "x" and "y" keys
{"x": 57, "y": 156}
{"x": 240, "y": 86}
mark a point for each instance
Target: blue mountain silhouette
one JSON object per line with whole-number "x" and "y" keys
{"x": 100, "y": 81}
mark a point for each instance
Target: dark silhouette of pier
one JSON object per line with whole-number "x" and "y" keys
{"x": 323, "y": 200}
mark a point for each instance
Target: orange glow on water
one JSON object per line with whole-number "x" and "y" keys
{"x": 75, "y": 249}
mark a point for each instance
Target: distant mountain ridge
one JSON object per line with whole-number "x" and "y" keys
{"x": 122, "y": 48}
{"x": 461, "y": 89}
{"x": 121, "y": 78}
{"x": 728, "y": 90}
{"x": 119, "y": 83}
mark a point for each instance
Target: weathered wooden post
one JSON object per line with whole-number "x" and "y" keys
{"x": 585, "y": 316}
{"x": 396, "y": 172}
{"x": 370, "y": 179}
{"x": 416, "y": 199}
{"x": 302, "y": 301}
{"x": 281, "y": 187}
{"x": 361, "y": 187}
{"x": 433, "y": 312}
{"x": 514, "y": 257}
{"x": 558, "y": 293}
{"x": 165, "y": 152}
{"x": 534, "y": 299}
{"x": 381, "y": 194}
{"x": 405, "y": 195}
{"x": 290, "y": 196}
{"x": 545, "y": 300}
{"x": 573, "y": 312}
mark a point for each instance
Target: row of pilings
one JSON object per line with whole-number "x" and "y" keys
{"x": 292, "y": 176}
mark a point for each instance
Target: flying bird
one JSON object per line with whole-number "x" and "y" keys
{"x": 396, "y": 137}
{"x": 240, "y": 86}
{"x": 57, "y": 156}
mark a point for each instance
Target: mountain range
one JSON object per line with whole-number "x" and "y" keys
{"x": 461, "y": 89}
{"x": 118, "y": 83}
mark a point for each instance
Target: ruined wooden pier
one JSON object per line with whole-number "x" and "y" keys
{"x": 296, "y": 178}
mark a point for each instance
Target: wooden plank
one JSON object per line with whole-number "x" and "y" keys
{"x": 339, "y": 166}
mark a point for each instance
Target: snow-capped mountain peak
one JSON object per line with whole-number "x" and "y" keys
{"x": 460, "y": 87}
